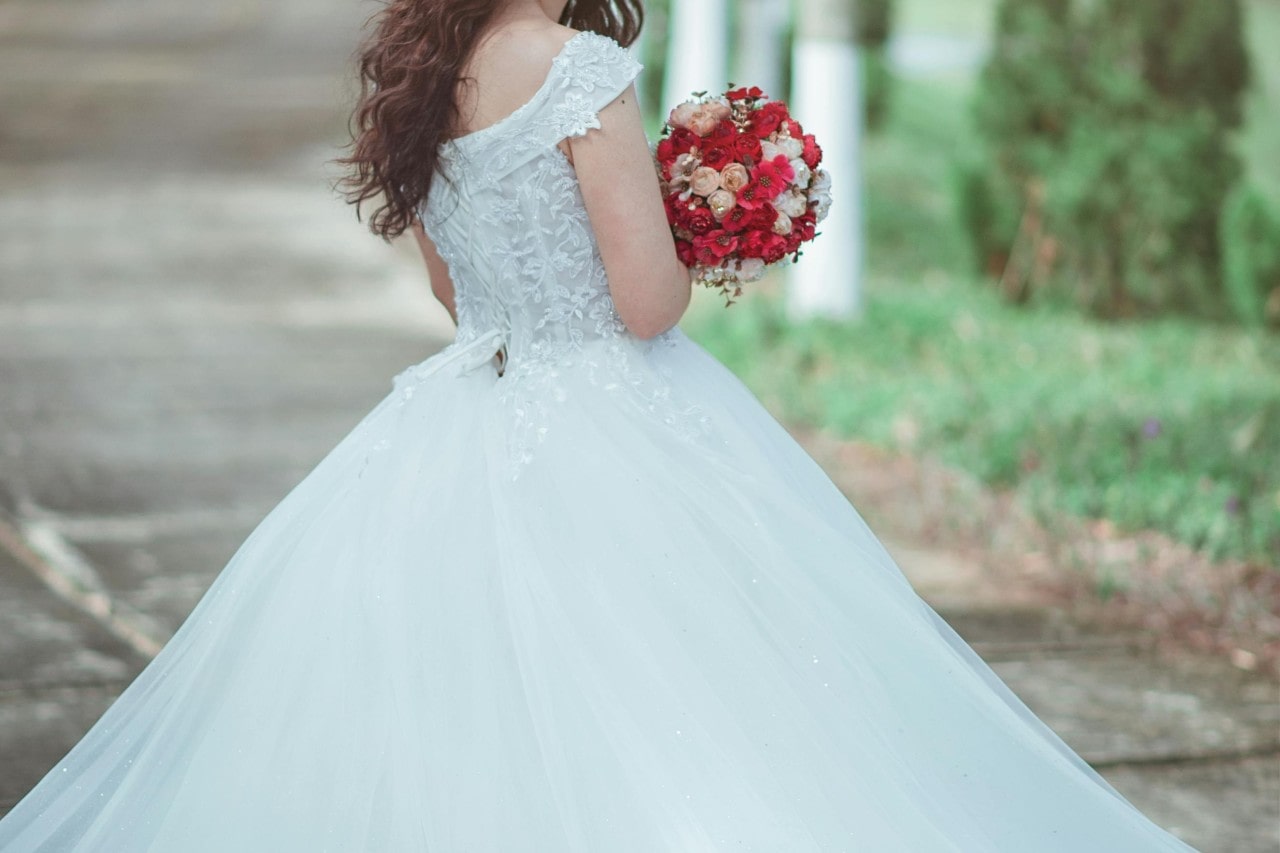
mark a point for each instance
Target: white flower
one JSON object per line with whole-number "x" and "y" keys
{"x": 821, "y": 181}
{"x": 820, "y": 193}
{"x": 768, "y": 150}
{"x": 750, "y": 269}
{"x": 802, "y": 172}
{"x": 793, "y": 203}
{"x": 793, "y": 148}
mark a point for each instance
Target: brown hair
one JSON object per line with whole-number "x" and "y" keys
{"x": 410, "y": 70}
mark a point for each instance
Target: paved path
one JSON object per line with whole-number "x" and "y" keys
{"x": 189, "y": 321}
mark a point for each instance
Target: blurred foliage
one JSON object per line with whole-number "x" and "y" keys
{"x": 1169, "y": 424}
{"x": 1164, "y": 425}
{"x": 1091, "y": 113}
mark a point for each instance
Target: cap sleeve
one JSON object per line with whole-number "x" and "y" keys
{"x": 591, "y": 72}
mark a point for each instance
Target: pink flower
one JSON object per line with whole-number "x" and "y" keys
{"x": 773, "y": 176}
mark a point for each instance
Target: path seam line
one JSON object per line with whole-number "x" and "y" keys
{"x": 67, "y": 573}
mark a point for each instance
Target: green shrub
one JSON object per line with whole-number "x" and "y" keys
{"x": 1106, "y": 141}
{"x": 1169, "y": 424}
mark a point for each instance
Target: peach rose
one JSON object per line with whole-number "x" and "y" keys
{"x": 721, "y": 202}
{"x": 703, "y": 122}
{"x": 704, "y": 181}
{"x": 734, "y": 177}
{"x": 782, "y": 225}
{"x": 682, "y": 114}
{"x": 719, "y": 109}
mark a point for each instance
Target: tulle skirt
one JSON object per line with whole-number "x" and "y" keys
{"x": 624, "y": 641}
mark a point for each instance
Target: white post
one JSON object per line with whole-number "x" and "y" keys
{"x": 697, "y": 50}
{"x": 760, "y": 58}
{"x": 827, "y": 100}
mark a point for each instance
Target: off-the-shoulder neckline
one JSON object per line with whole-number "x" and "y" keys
{"x": 518, "y": 111}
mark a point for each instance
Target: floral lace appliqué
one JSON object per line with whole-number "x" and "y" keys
{"x": 508, "y": 218}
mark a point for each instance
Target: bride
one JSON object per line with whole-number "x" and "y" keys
{"x": 568, "y": 587}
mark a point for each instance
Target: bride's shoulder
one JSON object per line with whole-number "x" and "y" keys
{"x": 526, "y": 49}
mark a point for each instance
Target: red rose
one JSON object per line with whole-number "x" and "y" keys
{"x": 775, "y": 249}
{"x": 812, "y": 155}
{"x": 701, "y": 221}
{"x": 666, "y": 153}
{"x": 763, "y": 217}
{"x": 685, "y": 214}
{"x": 746, "y": 148}
{"x": 683, "y": 141}
{"x": 717, "y": 158}
{"x": 685, "y": 253}
{"x": 768, "y": 118}
{"x": 806, "y": 225}
{"x": 753, "y": 245}
{"x": 673, "y": 204}
{"x": 724, "y": 133}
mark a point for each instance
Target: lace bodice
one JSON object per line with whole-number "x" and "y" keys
{"x": 506, "y": 214}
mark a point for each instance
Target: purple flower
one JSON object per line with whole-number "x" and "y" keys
{"x": 1151, "y": 428}
{"x": 1233, "y": 505}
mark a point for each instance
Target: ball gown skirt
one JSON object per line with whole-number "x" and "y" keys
{"x": 596, "y": 633}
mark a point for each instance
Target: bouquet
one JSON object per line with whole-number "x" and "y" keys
{"x": 742, "y": 186}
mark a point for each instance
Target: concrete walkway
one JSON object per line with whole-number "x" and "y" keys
{"x": 189, "y": 321}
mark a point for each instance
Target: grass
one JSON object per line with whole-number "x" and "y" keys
{"x": 1167, "y": 425}
{"x": 1170, "y": 425}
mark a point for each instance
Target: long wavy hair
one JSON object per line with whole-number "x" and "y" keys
{"x": 411, "y": 70}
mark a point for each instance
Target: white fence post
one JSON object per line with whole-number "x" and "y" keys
{"x": 827, "y": 100}
{"x": 697, "y": 50}
{"x": 760, "y": 57}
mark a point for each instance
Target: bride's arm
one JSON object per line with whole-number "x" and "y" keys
{"x": 649, "y": 285}
{"x": 437, "y": 271}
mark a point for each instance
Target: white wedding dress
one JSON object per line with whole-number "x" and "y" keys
{"x": 599, "y": 603}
